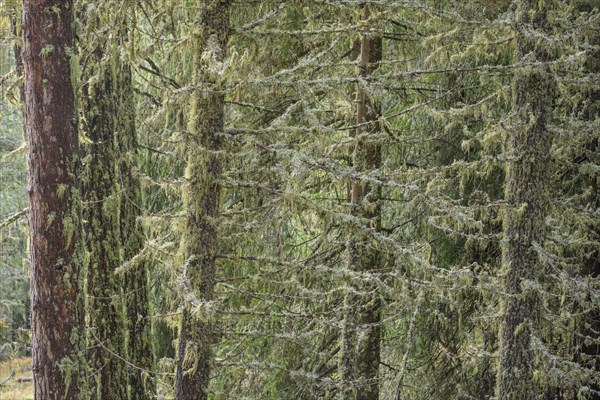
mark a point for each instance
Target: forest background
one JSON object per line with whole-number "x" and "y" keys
{"x": 313, "y": 199}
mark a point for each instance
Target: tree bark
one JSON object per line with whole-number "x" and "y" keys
{"x": 528, "y": 149}
{"x": 139, "y": 343}
{"x": 589, "y": 325}
{"x": 201, "y": 203}
{"x": 118, "y": 318}
{"x": 56, "y": 257}
{"x": 360, "y": 356}
{"x": 106, "y": 335}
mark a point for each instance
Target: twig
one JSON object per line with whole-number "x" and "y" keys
{"x": 12, "y": 373}
{"x": 129, "y": 363}
{"x": 12, "y": 218}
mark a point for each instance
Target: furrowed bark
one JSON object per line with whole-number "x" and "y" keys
{"x": 528, "y": 150}
{"x": 56, "y": 257}
{"x": 101, "y": 216}
{"x": 201, "y": 204}
{"x": 132, "y": 240}
{"x": 118, "y": 303}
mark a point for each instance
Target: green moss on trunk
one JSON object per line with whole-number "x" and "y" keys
{"x": 528, "y": 150}
{"x": 201, "y": 203}
{"x": 361, "y": 333}
{"x": 101, "y": 216}
{"x": 137, "y": 306}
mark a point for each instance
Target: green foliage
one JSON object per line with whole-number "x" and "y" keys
{"x": 286, "y": 278}
{"x": 14, "y": 297}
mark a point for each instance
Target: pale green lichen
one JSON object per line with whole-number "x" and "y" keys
{"x": 68, "y": 284}
{"x": 67, "y": 368}
{"x": 61, "y": 190}
{"x": 47, "y": 50}
{"x": 74, "y": 65}
{"x": 51, "y": 218}
{"x": 69, "y": 229}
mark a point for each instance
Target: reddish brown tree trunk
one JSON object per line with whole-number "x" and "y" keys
{"x": 53, "y": 197}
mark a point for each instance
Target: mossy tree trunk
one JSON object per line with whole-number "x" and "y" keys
{"x": 201, "y": 203}
{"x": 360, "y": 356}
{"x": 119, "y": 318}
{"x": 129, "y": 192}
{"x": 528, "y": 150}
{"x": 589, "y": 326}
{"x": 100, "y": 107}
{"x": 56, "y": 256}
{"x": 137, "y": 306}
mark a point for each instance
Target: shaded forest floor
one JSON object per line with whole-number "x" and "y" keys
{"x": 19, "y": 386}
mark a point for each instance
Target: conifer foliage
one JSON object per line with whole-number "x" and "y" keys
{"x": 357, "y": 199}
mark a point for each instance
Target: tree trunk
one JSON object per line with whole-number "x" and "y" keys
{"x": 56, "y": 257}
{"x": 589, "y": 326}
{"x": 132, "y": 240}
{"x": 113, "y": 195}
{"x": 360, "y": 357}
{"x": 101, "y": 215}
{"x": 201, "y": 203}
{"x": 528, "y": 149}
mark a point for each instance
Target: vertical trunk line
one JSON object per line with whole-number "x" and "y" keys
{"x": 361, "y": 330}
{"x": 136, "y": 302}
{"x": 201, "y": 194}
{"x": 54, "y": 198}
{"x": 103, "y": 236}
{"x": 528, "y": 148}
